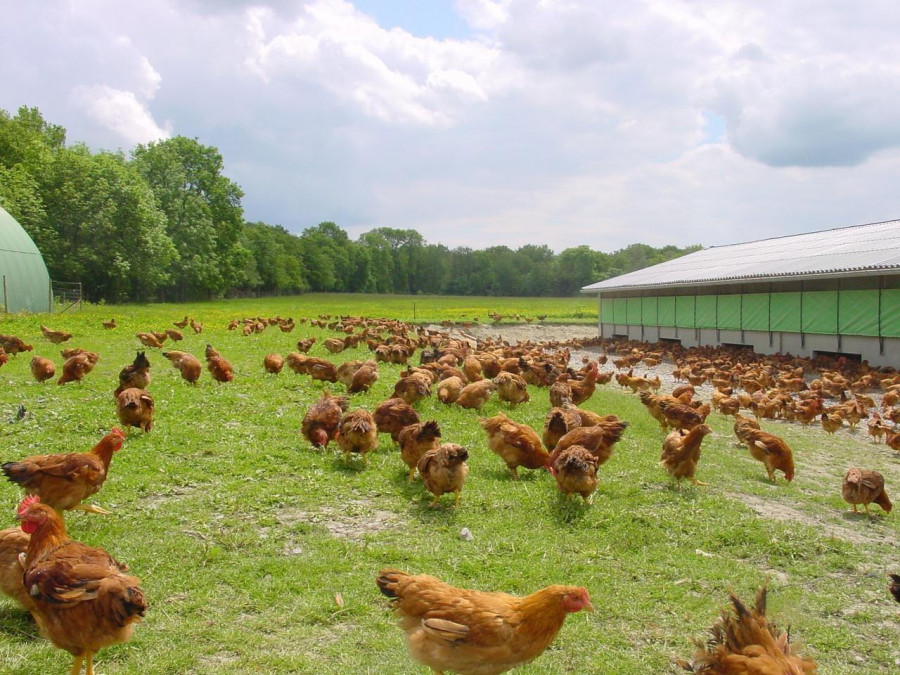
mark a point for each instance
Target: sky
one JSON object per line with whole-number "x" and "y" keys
{"x": 493, "y": 122}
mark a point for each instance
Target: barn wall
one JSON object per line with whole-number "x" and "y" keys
{"x": 852, "y": 316}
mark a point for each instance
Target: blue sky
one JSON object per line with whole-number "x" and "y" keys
{"x": 493, "y": 122}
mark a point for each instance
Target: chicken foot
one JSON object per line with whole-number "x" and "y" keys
{"x": 90, "y": 508}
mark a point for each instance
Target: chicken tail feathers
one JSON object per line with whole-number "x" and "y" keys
{"x": 14, "y": 471}
{"x": 387, "y": 581}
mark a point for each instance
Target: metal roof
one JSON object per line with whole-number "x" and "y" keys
{"x": 872, "y": 248}
{"x": 25, "y": 281}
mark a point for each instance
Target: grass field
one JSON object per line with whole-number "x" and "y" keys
{"x": 258, "y": 553}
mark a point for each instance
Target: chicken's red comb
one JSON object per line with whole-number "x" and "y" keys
{"x": 118, "y": 432}
{"x": 27, "y": 503}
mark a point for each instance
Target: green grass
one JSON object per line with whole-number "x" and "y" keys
{"x": 243, "y": 534}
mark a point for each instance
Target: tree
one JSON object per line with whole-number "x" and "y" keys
{"x": 204, "y": 215}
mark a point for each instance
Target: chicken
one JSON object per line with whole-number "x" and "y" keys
{"x": 364, "y": 378}
{"x": 305, "y": 345}
{"x": 516, "y": 444}
{"x": 831, "y": 422}
{"x": 394, "y": 414}
{"x": 55, "y": 336}
{"x": 13, "y": 545}
{"x": 64, "y": 481}
{"x": 864, "y": 486}
{"x": 273, "y": 363}
{"x": 476, "y": 394}
{"x": 357, "y": 433}
{"x": 560, "y": 391}
{"x": 149, "y": 340}
{"x": 575, "y": 469}
{"x": 746, "y": 643}
{"x": 13, "y": 345}
{"x": 558, "y": 423}
{"x": 444, "y": 470}
{"x": 187, "y": 364}
{"x": 681, "y": 453}
{"x": 134, "y": 408}
{"x": 449, "y": 389}
{"x": 76, "y": 367}
{"x": 322, "y": 420}
{"x": 181, "y": 324}
{"x": 413, "y": 387}
{"x": 584, "y": 389}
{"x": 771, "y": 451}
{"x": 742, "y": 425}
{"x": 476, "y": 632}
{"x": 320, "y": 369}
{"x": 512, "y": 388}
{"x": 136, "y": 375}
{"x": 894, "y": 587}
{"x": 417, "y": 439}
{"x": 598, "y": 439}
{"x": 174, "y": 335}
{"x": 876, "y": 427}
{"x": 196, "y": 326}
{"x": 83, "y": 599}
{"x": 109, "y": 325}
{"x": 220, "y": 369}
{"x": 472, "y": 369}
{"x": 42, "y": 369}
{"x": 680, "y": 416}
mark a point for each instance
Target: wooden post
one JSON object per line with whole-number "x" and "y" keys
{"x": 5, "y": 299}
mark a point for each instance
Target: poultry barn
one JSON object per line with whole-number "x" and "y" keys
{"x": 23, "y": 274}
{"x": 834, "y": 292}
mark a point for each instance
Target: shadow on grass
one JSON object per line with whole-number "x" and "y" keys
{"x": 17, "y": 625}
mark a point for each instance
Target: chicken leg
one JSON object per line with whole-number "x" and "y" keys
{"x": 90, "y": 508}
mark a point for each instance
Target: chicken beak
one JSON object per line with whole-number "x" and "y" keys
{"x": 588, "y": 607}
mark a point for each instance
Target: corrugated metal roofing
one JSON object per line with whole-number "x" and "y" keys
{"x": 22, "y": 269}
{"x": 873, "y": 248}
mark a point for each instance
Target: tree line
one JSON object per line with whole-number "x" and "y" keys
{"x": 165, "y": 223}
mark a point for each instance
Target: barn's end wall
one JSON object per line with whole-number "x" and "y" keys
{"x": 24, "y": 280}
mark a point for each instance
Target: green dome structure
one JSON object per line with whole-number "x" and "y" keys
{"x": 25, "y": 280}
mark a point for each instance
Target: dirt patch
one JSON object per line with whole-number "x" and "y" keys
{"x": 353, "y": 521}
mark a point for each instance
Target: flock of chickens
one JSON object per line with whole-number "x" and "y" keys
{"x": 83, "y": 599}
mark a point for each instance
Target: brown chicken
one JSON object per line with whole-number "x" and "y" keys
{"x": 220, "y": 369}
{"x": 894, "y": 586}
{"x": 476, "y": 394}
{"x": 771, "y": 451}
{"x": 322, "y": 420}
{"x": 742, "y": 425}
{"x": 55, "y": 336}
{"x": 83, "y": 599}
{"x": 561, "y": 391}
{"x": 149, "y": 340}
{"x": 174, "y": 335}
{"x": 273, "y": 363}
{"x": 598, "y": 439}
{"x": 320, "y": 369}
{"x": 449, "y": 389}
{"x": 582, "y": 390}
{"x": 134, "y": 408}
{"x": 877, "y": 427}
{"x": 865, "y": 486}
{"x": 746, "y": 643}
{"x": 575, "y": 469}
{"x": 413, "y": 387}
{"x": 417, "y": 439}
{"x": 364, "y": 378}
{"x": 357, "y": 434}
{"x": 76, "y": 367}
{"x": 444, "y": 470}
{"x": 476, "y": 632}
{"x": 516, "y": 444}
{"x": 558, "y": 423}
{"x": 831, "y": 422}
{"x": 136, "y": 375}
{"x": 196, "y": 326}
{"x": 181, "y": 324}
{"x": 109, "y": 325}
{"x": 13, "y": 345}
{"x": 42, "y": 369}
{"x": 13, "y": 545}
{"x": 394, "y": 414}
{"x": 512, "y": 388}
{"x": 681, "y": 453}
{"x": 681, "y": 416}
{"x": 64, "y": 481}
{"x": 187, "y": 364}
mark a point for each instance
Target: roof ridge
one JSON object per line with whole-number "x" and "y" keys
{"x": 802, "y": 234}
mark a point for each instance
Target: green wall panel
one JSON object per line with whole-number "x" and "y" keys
{"x": 820, "y": 312}
{"x": 755, "y": 311}
{"x": 785, "y": 312}
{"x": 684, "y": 311}
{"x": 633, "y": 312}
{"x": 890, "y": 312}
{"x": 666, "y": 312}
{"x": 606, "y": 310}
{"x": 620, "y": 310}
{"x": 705, "y": 311}
{"x": 649, "y": 314}
{"x": 728, "y": 312}
{"x": 858, "y": 312}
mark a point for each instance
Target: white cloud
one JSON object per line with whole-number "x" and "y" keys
{"x": 122, "y": 113}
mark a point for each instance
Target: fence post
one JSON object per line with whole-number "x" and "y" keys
{"x": 5, "y": 299}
